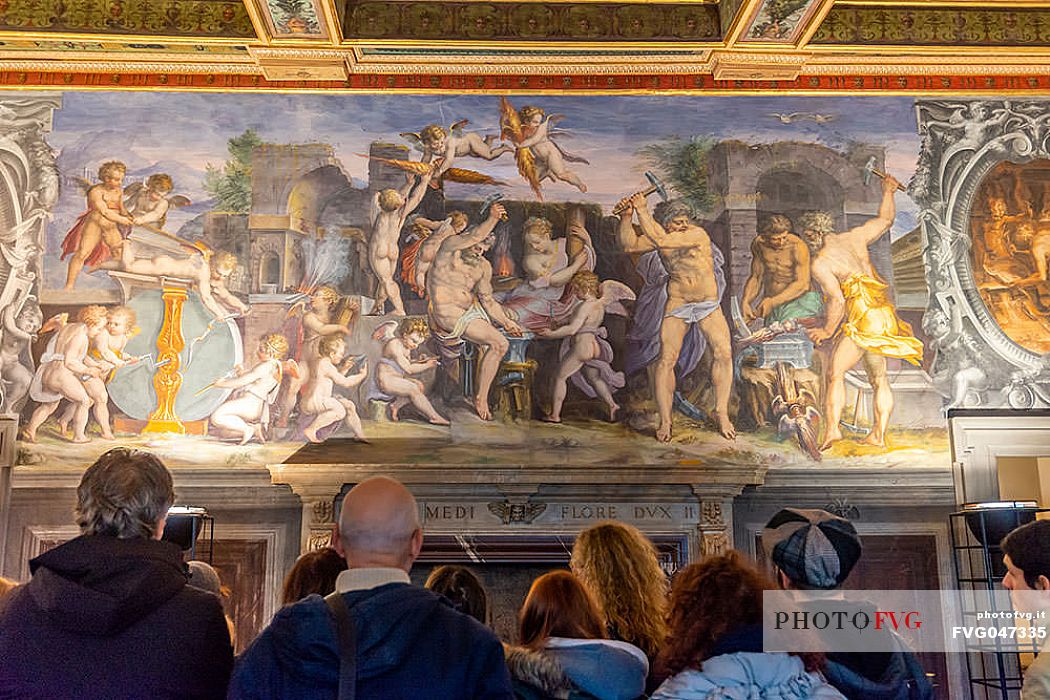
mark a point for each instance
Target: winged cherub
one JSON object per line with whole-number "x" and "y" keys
{"x": 443, "y": 146}
{"x": 538, "y": 155}
{"x": 149, "y": 202}
{"x": 585, "y": 348}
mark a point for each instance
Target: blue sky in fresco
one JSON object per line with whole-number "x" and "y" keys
{"x": 180, "y": 133}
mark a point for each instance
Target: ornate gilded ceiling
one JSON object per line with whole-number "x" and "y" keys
{"x": 802, "y": 45}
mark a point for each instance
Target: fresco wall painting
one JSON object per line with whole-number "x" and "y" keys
{"x": 441, "y": 280}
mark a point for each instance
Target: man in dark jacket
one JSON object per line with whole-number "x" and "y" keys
{"x": 109, "y": 614}
{"x": 814, "y": 550}
{"x": 410, "y": 642}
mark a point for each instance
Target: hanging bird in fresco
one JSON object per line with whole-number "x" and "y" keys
{"x": 797, "y": 414}
{"x": 538, "y": 155}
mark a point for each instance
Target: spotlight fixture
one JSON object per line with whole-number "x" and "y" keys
{"x": 184, "y": 526}
{"x": 991, "y": 521}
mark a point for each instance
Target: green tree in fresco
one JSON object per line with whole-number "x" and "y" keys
{"x": 231, "y": 184}
{"x": 682, "y": 165}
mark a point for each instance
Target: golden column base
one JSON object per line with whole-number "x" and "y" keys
{"x": 168, "y": 379}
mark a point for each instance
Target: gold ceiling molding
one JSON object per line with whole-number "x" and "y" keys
{"x": 699, "y": 68}
{"x": 107, "y": 67}
{"x": 740, "y": 63}
{"x": 173, "y": 60}
{"x": 737, "y": 65}
{"x": 926, "y": 65}
{"x": 369, "y": 56}
{"x": 302, "y": 64}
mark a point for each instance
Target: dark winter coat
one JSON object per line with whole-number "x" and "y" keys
{"x": 411, "y": 644}
{"x": 109, "y": 618}
{"x": 899, "y": 677}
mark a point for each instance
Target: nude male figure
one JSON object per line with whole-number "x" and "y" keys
{"x": 462, "y": 306}
{"x": 456, "y": 224}
{"x": 96, "y": 236}
{"x": 389, "y": 212}
{"x": 780, "y": 274}
{"x": 859, "y": 315}
{"x": 692, "y": 297}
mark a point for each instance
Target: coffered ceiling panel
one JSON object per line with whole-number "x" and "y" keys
{"x": 418, "y": 44}
{"x": 532, "y": 21}
{"x": 935, "y": 26}
{"x": 177, "y": 18}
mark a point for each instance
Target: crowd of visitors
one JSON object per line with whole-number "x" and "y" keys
{"x": 116, "y": 613}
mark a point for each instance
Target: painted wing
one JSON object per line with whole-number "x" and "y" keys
{"x": 56, "y": 322}
{"x": 290, "y": 367}
{"x": 297, "y": 309}
{"x": 457, "y": 128}
{"x": 511, "y": 130}
{"x": 527, "y": 167}
{"x": 510, "y": 122}
{"x": 385, "y": 331}
{"x": 807, "y": 431}
{"x": 568, "y": 155}
{"x": 82, "y": 184}
{"x": 614, "y": 294}
{"x": 131, "y": 193}
{"x": 414, "y": 139}
{"x": 419, "y": 231}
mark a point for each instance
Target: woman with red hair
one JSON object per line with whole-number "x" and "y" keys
{"x": 564, "y": 648}
{"x": 714, "y": 646}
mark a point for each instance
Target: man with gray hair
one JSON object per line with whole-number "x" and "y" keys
{"x": 678, "y": 311}
{"x": 409, "y": 642}
{"x": 860, "y": 320}
{"x": 109, "y": 614}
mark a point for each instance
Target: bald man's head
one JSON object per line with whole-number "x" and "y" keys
{"x": 379, "y": 525}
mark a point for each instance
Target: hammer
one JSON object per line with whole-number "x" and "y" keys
{"x": 654, "y": 186}
{"x": 488, "y": 202}
{"x": 869, "y": 170}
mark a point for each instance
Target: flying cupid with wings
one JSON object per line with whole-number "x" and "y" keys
{"x": 538, "y": 155}
{"x": 442, "y": 147}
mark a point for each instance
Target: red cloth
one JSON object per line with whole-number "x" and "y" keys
{"x": 72, "y": 241}
{"x": 101, "y": 252}
{"x": 408, "y": 266}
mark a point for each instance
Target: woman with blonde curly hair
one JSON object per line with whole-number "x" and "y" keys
{"x": 618, "y": 565}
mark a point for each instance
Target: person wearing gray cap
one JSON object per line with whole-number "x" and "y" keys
{"x": 813, "y": 549}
